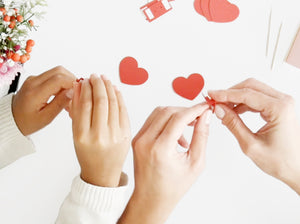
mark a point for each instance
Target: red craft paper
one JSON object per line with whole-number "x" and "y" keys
{"x": 130, "y": 73}
{"x": 211, "y": 102}
{"x": 205, "y": 4}
{"x": 223, "y": 11}
{"x": 79, "y": 80}
{"x": 294, "y": 55}
{"x": 190, "y": 87}
{"x": 156, "y": 9}
{"x": 197, "y": 6}
{"x": 220, "y": 11}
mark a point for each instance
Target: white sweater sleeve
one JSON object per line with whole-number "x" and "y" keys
{"x": 90, "y": 204}
{"x": 13, "y": 144}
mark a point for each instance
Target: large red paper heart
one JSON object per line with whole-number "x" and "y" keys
{"x": 223, "y": 11}
{"x": 189, "y": 88}
{"x": 130, "y": 73}
{"x": 220, "y": 11}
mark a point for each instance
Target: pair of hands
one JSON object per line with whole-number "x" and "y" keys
{"x": 102, "y": 136}
{"x": 275, "y": 148}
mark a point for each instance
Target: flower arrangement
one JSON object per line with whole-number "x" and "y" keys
{"x": 16, "y": 21}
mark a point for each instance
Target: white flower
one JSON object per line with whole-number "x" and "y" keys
{"x": 10, "y": 12}
{"x": 10, "y": 63}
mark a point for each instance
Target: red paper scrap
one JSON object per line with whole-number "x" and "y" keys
{"x": 156, "y": 9}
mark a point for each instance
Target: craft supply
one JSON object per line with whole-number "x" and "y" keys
{"x": 188, "y": 88}
{"x": 211, "y": 102}
{"x": 79, "y": 80}
{"x": 276, "y": 46}
{"x": 268, "y": 34}
{"x": 220, "y": 11}
{"x": 294, "y": 54}
{"x": 130, "y": 73}
{"x": 156, "y": 9}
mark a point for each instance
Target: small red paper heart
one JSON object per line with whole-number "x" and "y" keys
{"x": 130, "y": 73}
{"x": 189, "y": 88}
{"x": 223, "y": 11}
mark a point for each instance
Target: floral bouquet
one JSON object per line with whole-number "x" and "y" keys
{"x": 16, "y": 21}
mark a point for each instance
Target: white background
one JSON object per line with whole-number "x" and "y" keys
{"x": 94, "y": 36}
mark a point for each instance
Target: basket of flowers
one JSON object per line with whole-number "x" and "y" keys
{"x": 16, "y": 22}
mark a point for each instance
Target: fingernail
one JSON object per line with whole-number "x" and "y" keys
{"x": 104, "y": 77}
{"x": 220, "y": 113}
{"x": 93, "y": 75}
{"x": 70, "y": 93}
{"x": 208, "y": 117}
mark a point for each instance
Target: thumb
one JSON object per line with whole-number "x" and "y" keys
{"x": 60, "y": 102}
{"x": 236, "y": 126}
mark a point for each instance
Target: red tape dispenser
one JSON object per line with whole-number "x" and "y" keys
{"x": 156, "y": 9}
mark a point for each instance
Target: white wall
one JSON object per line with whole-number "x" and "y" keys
{"x": 93, "y": 36}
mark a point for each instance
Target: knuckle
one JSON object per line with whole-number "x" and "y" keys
{"x": 177, "y": 116}
{"x": 167, "y": 111}
{"x": 231, "y": 122}
{"x": 113, "y": 101}
{"x": 101, "y": 100}
{"x": 250, "y": 81}
{"x": 59, "y": 69}
{"x": 158, "y": 109}
{"x": 137, "y": 144}
{"x": 86, "y": 105}
{"x": 58, "y": 77}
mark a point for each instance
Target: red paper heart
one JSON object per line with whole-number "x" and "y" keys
{"x": 189, "y": 88}
{"x": 223, "y": 11}
{"x": 220, "y": 11}
{"x": 130, "y": 73}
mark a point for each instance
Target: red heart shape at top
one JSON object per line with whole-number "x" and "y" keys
{"x": 223, "y": 11}
{"x": 220, "y": 11}
{"x": 130, "y": 73}
{"x": 189, "y": 88}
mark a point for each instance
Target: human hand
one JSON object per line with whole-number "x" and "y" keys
{"x": 101, "y": 131}
{"x": 162, "y": 174}
{"x": 275, "y": 148}
{"x": 30, "y": 106}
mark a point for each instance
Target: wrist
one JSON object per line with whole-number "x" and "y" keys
{"x": 100, "y": 179}
{"x": 156, "y": 211}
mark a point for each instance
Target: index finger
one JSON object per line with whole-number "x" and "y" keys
{"x": 175, "y": 127}
{"x": 257, "y": 101}
{"x": 57, "y": 71}
{"x": 259, "y": 87}
{"x": 53, "y": 86}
